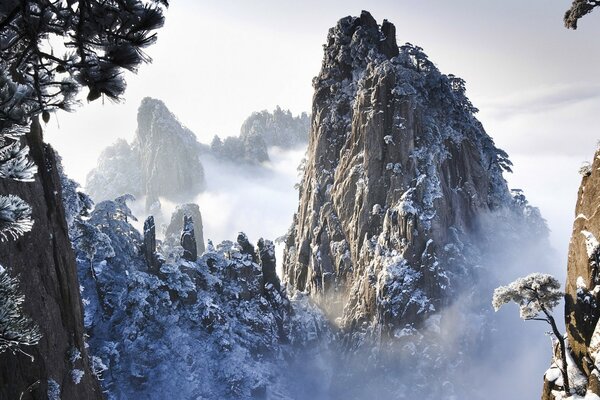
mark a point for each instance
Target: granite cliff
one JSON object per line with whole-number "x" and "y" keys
{"x": 582, "y": 293}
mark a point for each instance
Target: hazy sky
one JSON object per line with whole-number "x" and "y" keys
{"x": 534, "y": 81}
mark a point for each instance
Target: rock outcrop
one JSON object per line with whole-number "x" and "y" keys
{"x": 399, "y": 176}
{"x": 582, "y": 296}
{"x": 188, "y": 239}
{"x": 173, "y": 232}
{"x": 44, "y": 263}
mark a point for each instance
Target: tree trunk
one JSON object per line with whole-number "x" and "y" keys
{"x": 563, "y": 352}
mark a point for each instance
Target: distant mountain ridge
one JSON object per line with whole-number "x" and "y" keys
{"x": 165, "y": 158}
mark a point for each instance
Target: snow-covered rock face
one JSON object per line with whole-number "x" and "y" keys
{"x": 583, "y": 282}
{"x": 399, "y": 170}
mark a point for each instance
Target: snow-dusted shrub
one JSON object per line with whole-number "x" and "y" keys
{"x": 16, "y": 329}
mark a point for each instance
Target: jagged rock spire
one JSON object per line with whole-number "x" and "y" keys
{"x": 174, "y": 228}
{"x": 188, "y": 239}
{"x": 398, "y": 169}
{"x": 266, "y": 255}
{"x": 246, "y": 246}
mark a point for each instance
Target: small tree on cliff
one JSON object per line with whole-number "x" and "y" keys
{"x": 536, "y": 294}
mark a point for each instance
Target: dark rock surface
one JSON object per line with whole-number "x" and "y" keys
{"x": 266, "y": 255}
{"x": 44, "y": 263}
{"x": 176, "y": 224}
{"x": 188, "y": 239}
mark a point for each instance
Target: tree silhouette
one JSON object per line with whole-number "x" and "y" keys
{"x": 578, "y": 9}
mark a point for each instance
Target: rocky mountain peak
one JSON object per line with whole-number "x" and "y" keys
{"x": 399, "y": 177}
{"x": 170, "y": 166}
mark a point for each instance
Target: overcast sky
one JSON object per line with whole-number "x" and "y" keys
{"x": 534, "y": 81}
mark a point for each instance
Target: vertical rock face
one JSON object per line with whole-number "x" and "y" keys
{"x": 188, "y": 240}
{"x": 44, "y": 263}
{"x": 582, "y": 286}
{"x": 149, "y": 245}
{"x": 399, "y": 175}
{"x": 174, "y": 228}
{"x": 266, "y": 255}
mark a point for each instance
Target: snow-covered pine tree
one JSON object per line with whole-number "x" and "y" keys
{"x": 15, "y": 217}
{"x": 16, "y": 329}
{"x": 92, "y": 242}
